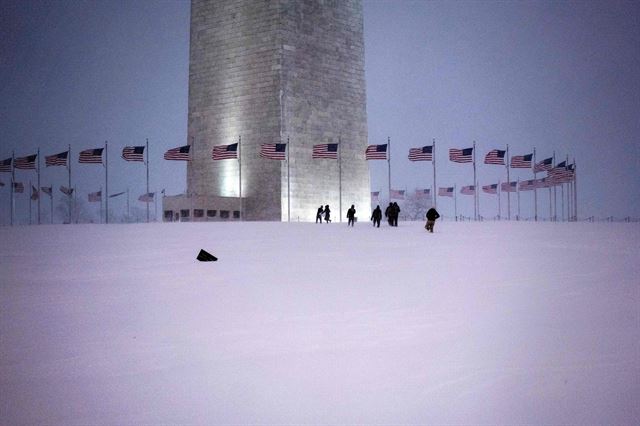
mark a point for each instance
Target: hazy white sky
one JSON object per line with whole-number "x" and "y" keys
{"x": 558, "y": 76}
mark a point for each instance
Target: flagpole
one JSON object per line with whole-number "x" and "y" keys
{"x": 106, "y": 181}
{"x": 30, "y": 199}
{"x": 38, "y": 192}
{"x": 240, "y": 175}
{"x": 562, "y": 201}
{"x": 455, "y": 202}
{"x": 105, "y": 200}
{"x": 475, "y": 185}
{"x": 433, "y": 156}
{"x": 147, "y": 149}
{"x": 499, "y": 190}
{"x": 433, "y": 195}
{"x": 288, "y": 148}
{"x": 535, "y": 187}
{"x": 555, "y": 200}
{"x": 13, "y": 182}
{"x": 518, "y": 192}
{"x": 570, "y": 197}
{"x": 389, "y": 165}
{"x": 51, "y": 203}
{"x": 128, "y": 214}
{"x": 509, "y": 184}
{"x": 575, "y": 190}
{"x": 69, "y": 170}
{"x": 550, "y": 204}
{"x": 340, "y": 175}
{"x": 567, "y": 185}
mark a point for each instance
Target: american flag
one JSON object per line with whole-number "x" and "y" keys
{"x": 133, "y": 153}
{"x": 509, "y": 186}
{"x": 397, "y": 194}
{"x": 34, "y": 193}
{"x": 423, "y": 193}
{"x": 26, "y": 163}
{"x": 375, "y": 195}
{"x": 495, "y": 156}
{"x": 543, "y": 183}
{"x": 274, "y": 151}
{"x": 490, "y": 189}
{"x": 47, "y": 190}
{"x": 91, "y": 156}
{"x": 225, "y": 152}
{"x": 521, "y": 161}
{"x": 461, "y": 155}
{"x": 325, "y": 150}
{"x": 562, "y": 173}
{"x": 5, "y": 165}
{"x": 527, "y": 185}
{"x": 543, "y": 165}
{"x": 421, "y": 154}
{"x": 66, "y": 191}
{"x": 376, "y": 152}
{"x": 180, "y": 153}
{"x": 56, "y": 159}
{"x": 95, "y": 197}
{"x": 117, "y": 194}
{"x": 146, "y": 198}
{"x": 468, "y": 190}
{"x": 571, "y": 172}
{"x": 18, "y": 187}
{"x": 445, "y": 192}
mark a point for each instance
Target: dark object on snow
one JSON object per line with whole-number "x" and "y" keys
{"x": 204, "y": 256}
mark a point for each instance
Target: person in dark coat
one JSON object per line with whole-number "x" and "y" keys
{"x": 396, "y": 213}
{"x": 432, "y": 215}
{"x": 388, "y": 213}
{"x": 376, "y": 216}
{"x": 319, "y": 214}
{"x": 327, "y": 214}
{"x": 351, "y": 215}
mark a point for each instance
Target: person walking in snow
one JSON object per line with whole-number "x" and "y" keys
{"x": 396, "y": 213}
{"x": 432, "y": 215}
{"x": 327, "y": 214}
{"x": 319, "y": 214}
{"x": 388, "y": 213}
{"x": 376, "y": 216}
{"x": 351, "y": 215}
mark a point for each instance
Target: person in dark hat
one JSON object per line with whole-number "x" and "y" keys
{"x": 327, "y": 214}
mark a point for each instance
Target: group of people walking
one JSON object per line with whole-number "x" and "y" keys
{"x": 391, "y": 213}
{"x": 323, "y": 212}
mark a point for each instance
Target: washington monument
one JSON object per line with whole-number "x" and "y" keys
{"x": 277, "y": 72}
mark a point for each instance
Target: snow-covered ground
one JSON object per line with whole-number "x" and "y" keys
{"x": 478, "y": 323}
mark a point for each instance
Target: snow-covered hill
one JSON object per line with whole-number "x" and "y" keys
{"x": 493, "y": 323}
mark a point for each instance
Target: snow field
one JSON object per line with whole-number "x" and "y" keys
{"x": 478, "y": 323}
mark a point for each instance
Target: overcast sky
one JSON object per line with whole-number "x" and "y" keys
{"x": 562, "y": 77}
